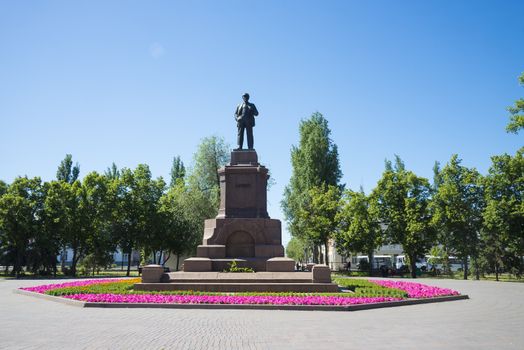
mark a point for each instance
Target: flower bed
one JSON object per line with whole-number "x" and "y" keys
{"x": 121, "y": 291}
{"x": 416, "y": 290}
{"x": 50, "y": 287}
{"x": 226, "y": 299}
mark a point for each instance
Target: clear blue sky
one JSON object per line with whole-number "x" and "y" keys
{"x": 141, "y": 81}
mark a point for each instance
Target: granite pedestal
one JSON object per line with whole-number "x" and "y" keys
{"x": 242, "y": 232}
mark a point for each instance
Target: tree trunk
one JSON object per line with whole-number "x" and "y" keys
{"x": 496, "y": 272}
{"x": 73, "y": 263}
{"x": 465, "y": 262}
{"x": 18, "y": 263}
{"x": 413, "y": 265}
{"x": 168, "y": 257}
{"x": 177, "y": 261}
{"x": 326, "y": 257}
{"x": 128, "y": 272}
{"x": 315, "y": 254}
{"x": 62, "y": 260}
{"x": 370, "y": 259}
{"x": 477, "y": 272}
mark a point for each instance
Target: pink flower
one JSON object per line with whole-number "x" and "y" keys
{"x": 227, "y": 299}
{"x": 44, "y": 288}
{"x": 416, "y": 290}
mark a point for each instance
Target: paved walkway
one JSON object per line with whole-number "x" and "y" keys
{"x": 492, "y": 319}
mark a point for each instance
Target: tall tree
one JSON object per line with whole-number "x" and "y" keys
{"x": 65, "y": 212}
{"x": 359, "y": 229}
{"x": 20, "y": 215}
{"x": 134, "y": 216}
{"x": 3, "y": 187}
{"x": 147, "y": 193}
{"x": 97, "y": 206}
{"x": 196, "y": 207}
{"x": 212, "y": 153}
{"x": 401, "y": 200}
{"x": 503, "y": 232}
{"x": 319, "y": 214}
{"x": 296, "y": 249}
{"x": 112, "y": 172}
{"x": 178, "y": 171}
{"x": 457, "y": 208}
{"x": 124, "y": 214}
{"x": 178, "y": 230}
{"x": 516, "y": 112}
{"x": 66, "y": 171}
{"x": 315, "y": 163}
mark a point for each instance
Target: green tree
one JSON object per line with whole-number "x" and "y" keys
{"x": 457, "y": 208}
{"x": 97, "y": 206}
{"x": 147, "y": 193}
{"x": 179, "y": 232}
{"x": 112, "y": 172}
{"x": 212, "y": 153}
{"x": 20, "y": 213}
{"x": 401, "y": 200}
{"x": 46, "y": 244}
{"x": 319, "y": 214}
{"x": 65, "y": 210}
{"x": 359, "y": 227}
{"x": 66, "y": 171}
{"x": 516, "y": 113}
{"x": 503, "y": 231}
{"x": 196, "y": 207}
{"x": 3, "y": 187}
{"x": 314, "y": 163}
{"x": 134, "y": 220}
{"x": 178, "y": 171}
{"x": 296, "y": 249}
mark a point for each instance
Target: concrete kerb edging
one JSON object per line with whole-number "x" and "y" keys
{"x": 51, "y": 298}
{"x": 355, "y": 307}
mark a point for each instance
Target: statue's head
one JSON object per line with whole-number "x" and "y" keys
{"x": 245, "y": 97}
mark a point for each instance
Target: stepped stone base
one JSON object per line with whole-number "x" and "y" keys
{"x": 240, "y": 282}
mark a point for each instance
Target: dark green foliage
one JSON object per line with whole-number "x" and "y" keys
{"x": 401, "y": 200}
{"x": 457, "y": 206}
{"x": 233, "y": 267}
{"x": 66, "y": 171}
{"x": 359, "y": 228}
{"x": 502, "y": 235}
{"x": 20, "y": 221}
{"x": 516, "y": 112}
{"x": 314, "y": 164}
{"x": 178, "y": 171}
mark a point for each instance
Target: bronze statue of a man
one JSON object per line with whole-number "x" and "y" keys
{"x": 245, "y": 117}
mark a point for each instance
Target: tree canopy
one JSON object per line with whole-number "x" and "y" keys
{"x": 516, "y": 111}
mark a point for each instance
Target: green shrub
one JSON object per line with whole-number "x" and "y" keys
{"x": 365, "y": 288}
{"x": 234, "y": 268}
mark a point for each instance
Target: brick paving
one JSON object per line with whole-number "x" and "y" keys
{"x": 492, "y": 319}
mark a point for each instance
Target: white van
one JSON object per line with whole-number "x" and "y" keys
{"x": 455, "y": 264}
{"x": 378, "y": 260}
{"x": 400, "y": 261}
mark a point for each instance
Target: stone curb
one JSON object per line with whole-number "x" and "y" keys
{"x": 356, "y": 307}
{"x": 51, "y": 298}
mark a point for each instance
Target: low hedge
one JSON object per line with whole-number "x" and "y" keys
{"x": 365, "y": 288}
{"x": 360, "y": 288}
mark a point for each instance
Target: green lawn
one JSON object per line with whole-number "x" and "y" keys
{"x": 505, "y": 277}
{"x": 60, "y": 275}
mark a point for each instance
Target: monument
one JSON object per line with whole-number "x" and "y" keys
{"x": 243, "y": 233}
